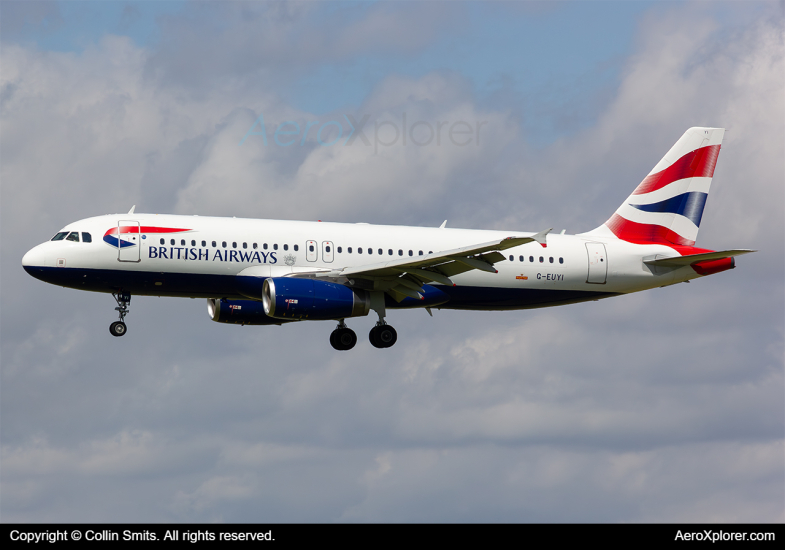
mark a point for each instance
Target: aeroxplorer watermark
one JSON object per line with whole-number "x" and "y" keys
{"x": 385, "y": 133}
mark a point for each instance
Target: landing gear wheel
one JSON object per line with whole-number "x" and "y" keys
{"x": 118, "y": 328}
{"x": 343, "y": 339}
{"x": 383, "y": 336}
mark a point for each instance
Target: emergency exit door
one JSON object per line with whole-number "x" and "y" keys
{"x": 311, "y": 252}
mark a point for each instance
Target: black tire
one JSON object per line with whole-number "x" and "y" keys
{"x": 374, "y": 338}
{"x": 387, "y": 336}
{"x": 118, "y": 328}
{"x": 343, "y": 339}
{"x": 346, "y": 339}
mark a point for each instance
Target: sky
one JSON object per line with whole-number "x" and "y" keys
{"x": 662, "y": 406}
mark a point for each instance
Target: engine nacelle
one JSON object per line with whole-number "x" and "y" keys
{"x": 291, "y": 298}
{"x": 240, "y": 312}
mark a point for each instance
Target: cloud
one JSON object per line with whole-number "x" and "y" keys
{"x": 272, "y": 43}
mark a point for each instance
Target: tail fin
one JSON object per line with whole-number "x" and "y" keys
{"x": 667, "y": 206}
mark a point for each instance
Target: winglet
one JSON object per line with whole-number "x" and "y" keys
{"x": 540, "y": 237}
{"x": 131, "y": 211}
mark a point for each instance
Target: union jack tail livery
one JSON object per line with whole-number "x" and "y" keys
{"x": 666, "y": 208}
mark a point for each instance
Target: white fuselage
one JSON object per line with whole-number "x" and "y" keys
{"x": 212, "y": 249}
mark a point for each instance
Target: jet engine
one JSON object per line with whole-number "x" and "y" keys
{"x": 292, "y": 298}
{"x": 240, "y": 312}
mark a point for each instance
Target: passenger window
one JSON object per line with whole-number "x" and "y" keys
{"x": 171, "y": 241}
{"x": 370, "y": 251}
{"x": 245, "y": 245}
{"x": 264, "y": 246}
{"x": 400, "y": 252}
{"x": 411, "y": 253}
{"x": 550, "y": 259}
{"x": 561, "y": 260}
{"x": 193, "y": 243}
{"x": 86, "y": 237}
{"x": 204, "y": 243}
{"x": 163, "y": 241}
{"x": 223, "y": 244}
{"x": 420, "y": 252}
{"x": 512, "y": 258}
{"x": 339, "y": 249}
{"x": 275, "y": 247}
{"x": 297, "y": 247}
{"x": 214, "y": 244}
{"x": 542, "y": 259}
{"x": 255, "y": 246}
{"x": 182, "y": 242}
{"x": 520, "y": 258}
{"x": 389, "y": 251}
{"x": 73, "y": 236}
{"x": 531, "y": 258}
{"x": 359, "y": 250}
{"x": 349, "y": 250}
{"x": 234, "y": 245}
{"x": 286, "y": 247}
{"x": 60, "y": 236}
{"x": 381, "y": 252}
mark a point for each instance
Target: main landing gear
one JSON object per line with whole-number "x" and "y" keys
{"x": 118, "y": 328}
{"x": 383, "y": 335}
{"x": 343, "y": 338}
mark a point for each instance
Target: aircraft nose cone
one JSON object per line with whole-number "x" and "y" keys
{"x": 33, "y": 258}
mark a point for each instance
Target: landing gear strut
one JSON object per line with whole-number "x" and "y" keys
{"x": 118, "y": 328}
{"x": 382, "y": 335}
{"x": 343, "y": 338}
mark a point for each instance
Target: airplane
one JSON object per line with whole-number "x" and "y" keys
{"x": 268, "y": 272}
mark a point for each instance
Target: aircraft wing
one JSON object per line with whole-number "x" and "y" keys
{"x": 678, "y": 261}
{"x": 405, "y": 276}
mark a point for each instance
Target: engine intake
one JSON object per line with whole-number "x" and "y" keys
{"x": 291, "y": 298}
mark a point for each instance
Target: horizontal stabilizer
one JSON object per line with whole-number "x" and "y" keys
{"x": 678, "y": 261}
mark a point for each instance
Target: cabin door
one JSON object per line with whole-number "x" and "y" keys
{"x": 598, "y": 263}
{"x": 129, "y": 241}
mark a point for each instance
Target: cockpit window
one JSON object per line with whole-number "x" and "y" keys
{"x": 73, "y": 236}
{"x": 60, "y": 236}
{"x": 86, "y": 238}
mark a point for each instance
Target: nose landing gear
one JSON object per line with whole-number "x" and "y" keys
{"x": 343, "y": 338}
{"x": 118, "y": 328}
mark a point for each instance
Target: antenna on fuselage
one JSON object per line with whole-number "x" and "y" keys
{"x": 131, "y": 211}
{"x": 443, "y": 225}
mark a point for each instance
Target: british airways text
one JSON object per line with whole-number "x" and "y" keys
{"x": 197, "y": 254}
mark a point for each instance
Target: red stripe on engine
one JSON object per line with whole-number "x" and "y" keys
{"x": 698, "y": 164}
{"x": 644, "y": 233}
